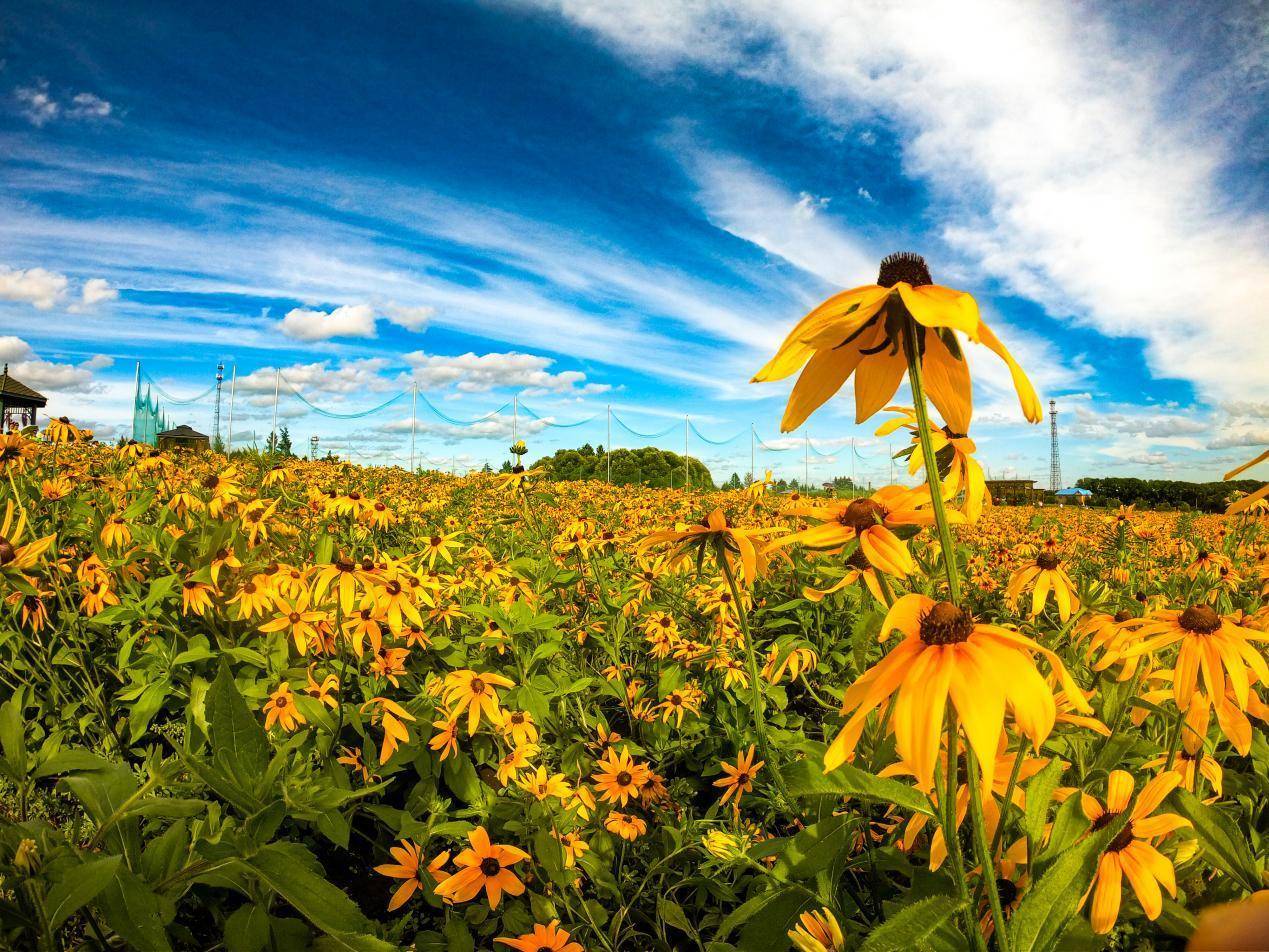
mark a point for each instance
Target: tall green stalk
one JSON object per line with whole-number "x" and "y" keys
{"x": 756, "y": 699}
{"x": 986, "y": 858}
{"x": 931, "y": 464}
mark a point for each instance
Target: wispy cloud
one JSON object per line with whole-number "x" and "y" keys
{"x": 1058, "y": 166}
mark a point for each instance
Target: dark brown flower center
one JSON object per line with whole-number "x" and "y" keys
{"x": 861, "y": 514}
{"x": 1123, "y": 615}
{"x": 903, "y": 266}
{"x": 624, "y": 778}
{"x": 946, "y": 624}
{"x": 857, "y": 560}
{"x": 7, "y": 552}
{"x": 1200, "y": 619}
{"x": 490, "y": 866}
{"x": 1048, "y": 561}
{"x": 742, "y": 778}
{"x": 435, "y": 540}
{"x": 1121, "y": 841}
{"x": 477, "y": 686}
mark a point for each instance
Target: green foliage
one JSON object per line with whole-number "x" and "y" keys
{"x": 647, "y": 466}
{"x": 1172, "y": 493}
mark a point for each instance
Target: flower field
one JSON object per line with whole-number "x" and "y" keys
{"x": 254, "y": 703}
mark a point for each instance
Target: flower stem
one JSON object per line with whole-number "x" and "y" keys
{"x": 930, "y": 462}
{"x": 984, "y": 850}
{"x": 947, "y": 817}
{"x": 755, "y": 685}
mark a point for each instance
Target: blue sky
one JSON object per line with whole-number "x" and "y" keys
{"x": 590, "y": 204}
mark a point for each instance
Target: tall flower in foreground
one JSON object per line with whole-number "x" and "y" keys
{"x": 544, "y": 938}
{"x": 861, "y": 332}
{"x": 1131, "y": 854}
{"x": 870, "y": 520}
{"x": 947, "y": 654}
{"x": 13, "y": 556}
{"x": 1217, "y": 647}
{"x": 1250, "y": 500}
{"x": 484, "y": 866}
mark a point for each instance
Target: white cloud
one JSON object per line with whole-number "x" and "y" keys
{"x": 478, "y": 373}
{"x": 88, "y": 106}
{"x": 744, "y": 201}
{"x": 35, "y": 286}
{"x": 349, "y": 378}
{"x": 51, "y": 376}
{"x": 865, "y": 195}
{"x": 37, "y": 105}
{"x": 40, "y": 107}
{"x": 1056, "y": 163}
{"x": 13, "y": 348}
{"x": 97, "y": 290}
{"x": 411, "y": 318}
{"x": 349, "y": 320}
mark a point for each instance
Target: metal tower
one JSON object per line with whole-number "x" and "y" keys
{"x": 220, "y": 379}
{"x": 1055, "y": 461}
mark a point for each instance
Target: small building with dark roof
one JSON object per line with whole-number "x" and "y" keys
{"x": 183, "y": 437}
{"x": 18, "y": 403}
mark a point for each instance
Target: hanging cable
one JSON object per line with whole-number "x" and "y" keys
{"x": 454, "y": 420}
{"x": 645, "y": 436}
{"x": 705, "y": 439}
{"x": 154, "y": 384}
{"x": 341, "y": 416}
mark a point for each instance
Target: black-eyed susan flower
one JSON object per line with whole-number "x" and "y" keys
{"x": 626, "y": 825}
{"x": 1132, "y": 854}
{"x": 818, "y": 931}
{"x": 620, "y": 777}
{"x": 544, "y": 938}
{"x": 948, "y": 655}
{"x": 1220, "y": 650}
{"x": 281, "y": 709}
{"x": 871, "y": 520}
{"x": 1045, "y": 574}
{"x": 864, "y": 332}
{"x": 738, "y": 546}
{"x": 476, "y": 693}
{"x": 737, "y": 779}
{"x": 484, "y": 866}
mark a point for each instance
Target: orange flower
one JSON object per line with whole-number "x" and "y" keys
{"x": 620, "y": 777}
{"x": 544, "y": 938}
{"x": 739, "y": 779}
{"x": 484, "y": 866}
{"x": 281, "y": 709}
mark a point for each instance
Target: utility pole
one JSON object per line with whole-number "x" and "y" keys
{"x": 233, "y": 384}
{"x": 220, "y": 379}
{"x": 1055, "y": 461}
{"x": 515, "y": 418}
{"x": 608, "y": 445}
{"x": 312, "y": 447}
{"x": 806, "y": 464}
{"x": 414, "y": 423}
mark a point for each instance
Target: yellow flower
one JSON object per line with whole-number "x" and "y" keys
{"x": 484, "y": 866}
{"x": 476, "y": 693}
{"x": 864, "y": 331}
{"x": 716, "y": 530}
{"x": 1132, "y": 854}
{"x": 1046, "y": 573}
{"x": 738, "y": 779}
{"x": 281, "y": 709}
{"x": 946, "y": 654}
{"x": 818, "y": 932}
{"x": 620, "y": 777}
{"x": 61, "y": 430}
{"x": 15, "y": 557}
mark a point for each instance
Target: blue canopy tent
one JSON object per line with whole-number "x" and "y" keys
{"x": 1073, "y": 493}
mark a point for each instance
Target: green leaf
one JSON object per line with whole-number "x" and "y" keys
{"x": 65, "y": 761}
{"x": 814, "y": 848}
{"x": 247, "y": 929}
{"x": 1050, "y": 903}
{"x": 768, "y": 928}
{"x": 754, "y": 905}
{"x": 13, "y": 739}
{"x": 912, "y": 925}
{"x": 1223, "y": 843}
{"x": 236, "y": 735}
{"x": 806, "y": 779}
{"x": 670, "y": 912}
{"x": 287, "y": 870}
{"x": 79, "y": 886}
{"x": 1039, "y": 791}
{"x": 459, "y": 936}
{"x": 131, "y": 909}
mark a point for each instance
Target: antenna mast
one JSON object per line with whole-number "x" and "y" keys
{"x": 1055, "y": 461}
{"x": 220, "y": 380}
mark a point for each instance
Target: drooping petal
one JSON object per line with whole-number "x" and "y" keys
{"x": 1106, "y": 894}
{"x": 947, "y": 383}
{"x": 876, "y": 382}
{"x": 1026, "y": 393}
{"x": 936, "y": 306}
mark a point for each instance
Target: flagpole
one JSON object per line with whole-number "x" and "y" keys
{"x": 687, "y": 475}
{"x": 608, "y": 448}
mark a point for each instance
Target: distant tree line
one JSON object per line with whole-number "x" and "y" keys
{"x": 1170, "y": 493}
{"x": 648, "y": 466}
